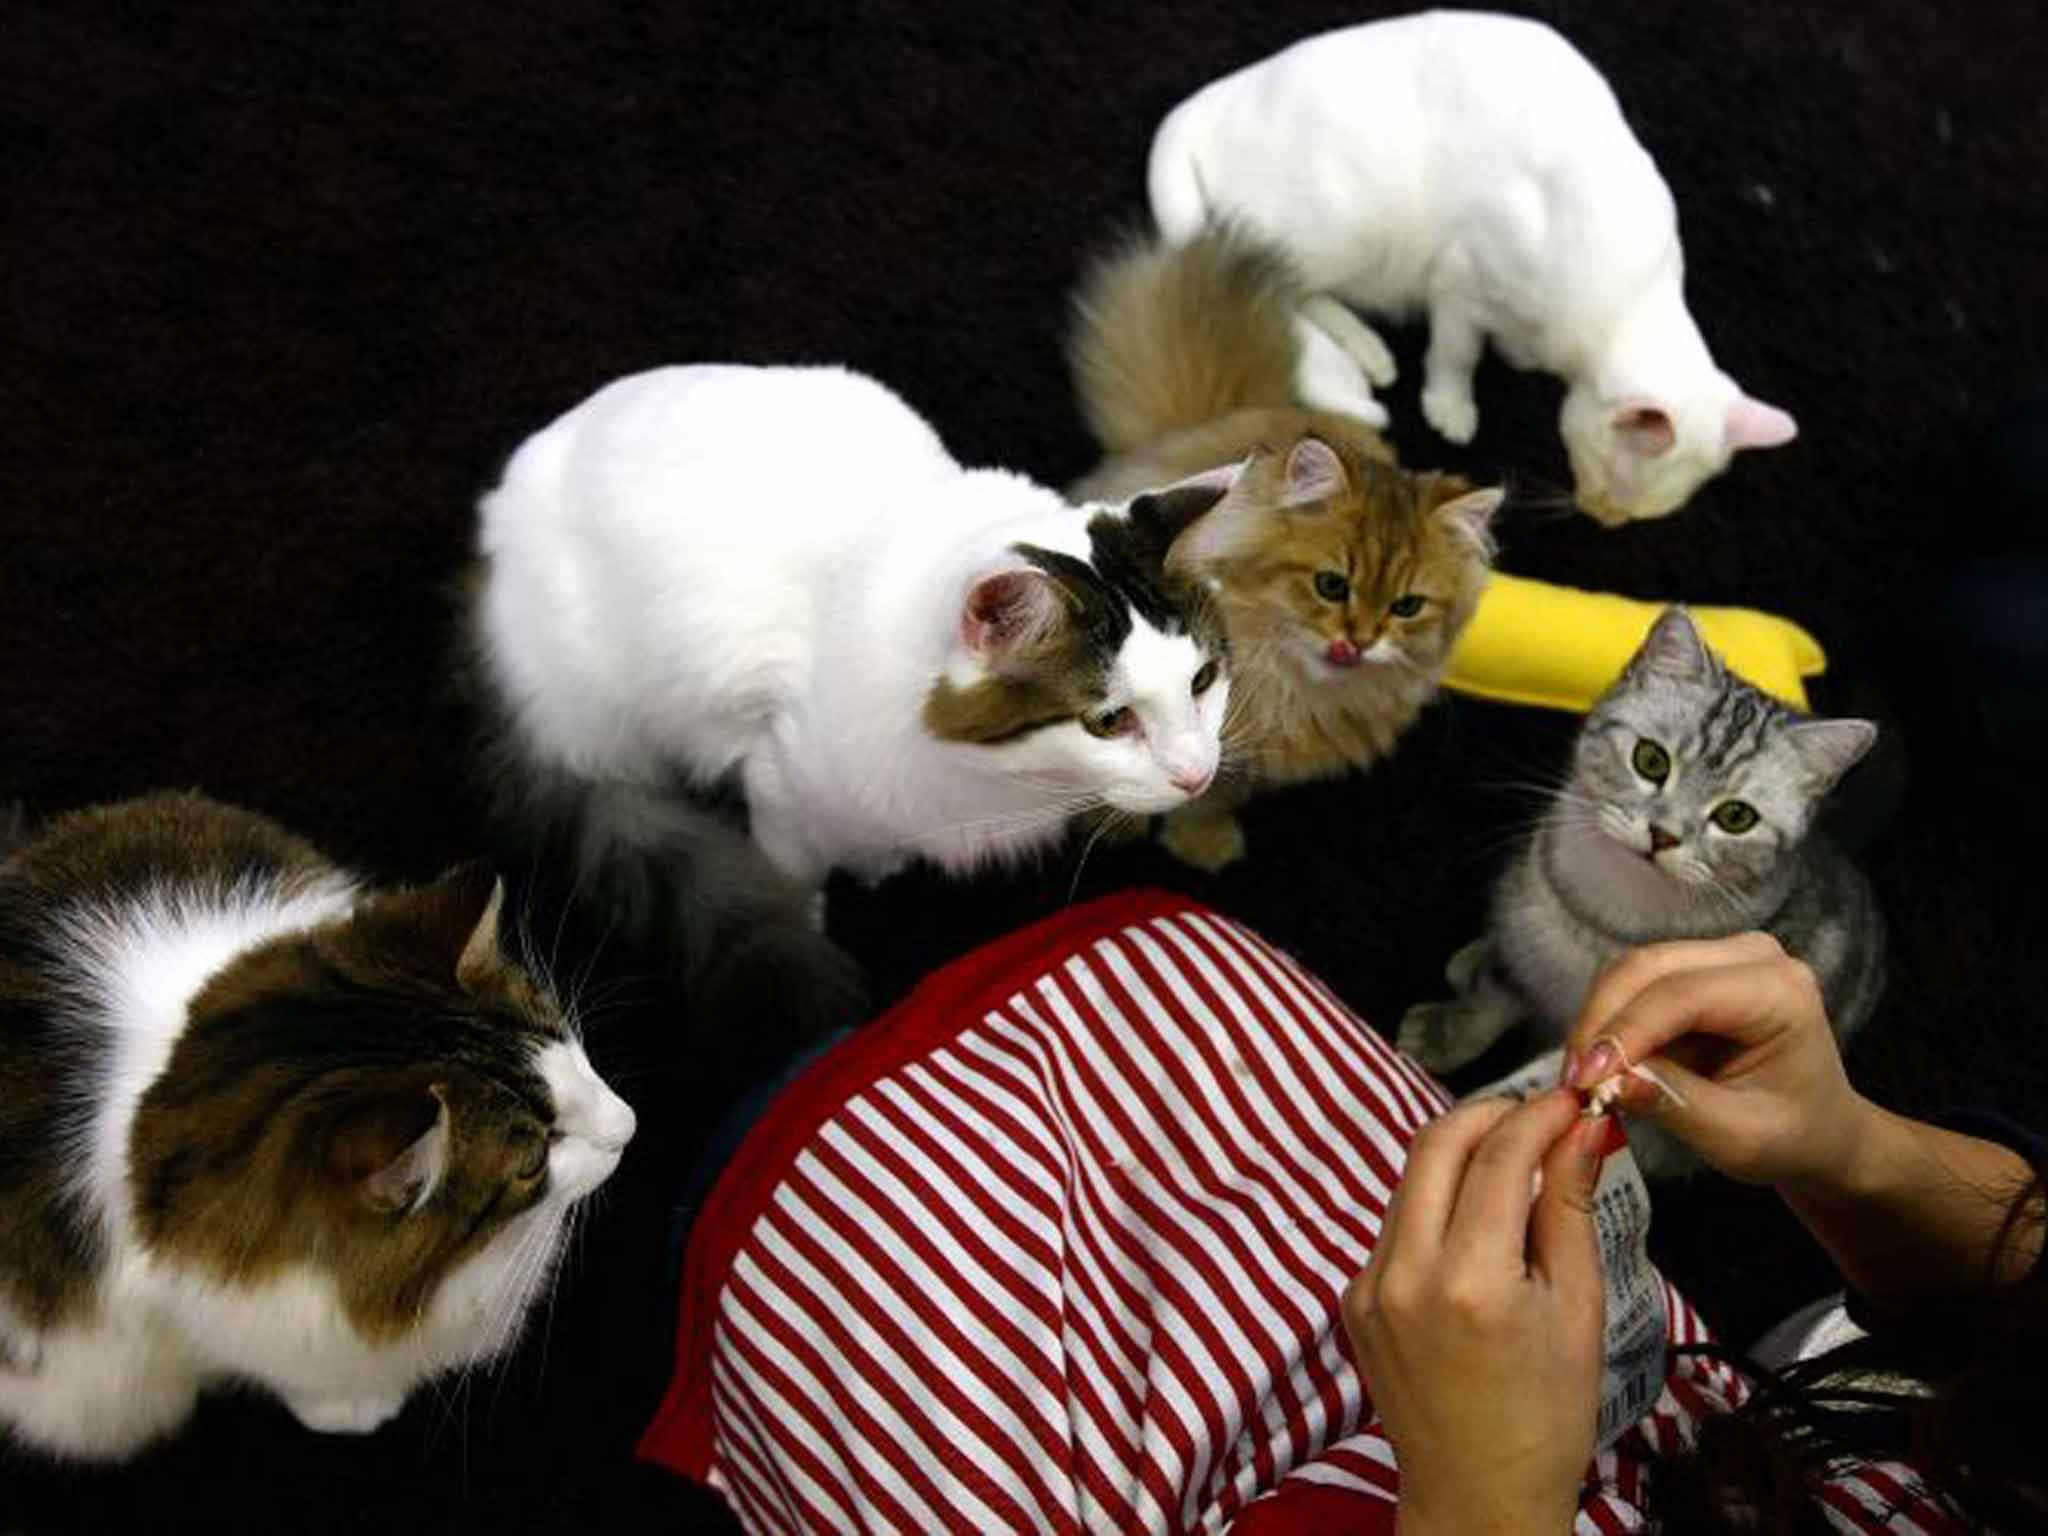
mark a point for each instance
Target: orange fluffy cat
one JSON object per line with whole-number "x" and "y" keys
{"x": 1343, "y": 578}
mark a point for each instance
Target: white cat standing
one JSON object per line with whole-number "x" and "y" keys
{"x": 1476, "y": 167}
{"x": 778, "y": 580}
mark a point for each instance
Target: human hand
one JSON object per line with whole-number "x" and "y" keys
{"x": 1477, "y": 1323}
{"x": 1737, "y": 1028}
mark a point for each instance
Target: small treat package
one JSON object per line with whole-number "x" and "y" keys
{"x": 1636, "y": 1330}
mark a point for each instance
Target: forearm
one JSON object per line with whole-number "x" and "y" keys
{"x": 1916, "y": 1209}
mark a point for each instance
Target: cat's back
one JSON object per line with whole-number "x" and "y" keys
{"x": 709, "y": 454}
{"x": 656, "y": 561}
{"x": 1402, "y": 130}
{"x": 111, "y": 919}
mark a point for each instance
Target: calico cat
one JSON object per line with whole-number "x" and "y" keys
{"x": 711, "y": 596}
{"x": 1343, "y": 579}
{"x": 1477, "y": 167}
{"x": 1688, "y": 813}
{"x": 262, "y": 1124}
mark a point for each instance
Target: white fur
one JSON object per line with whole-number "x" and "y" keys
{"x": 1476, "y": 167}
{"x": 160, "y": 1334}
{"x": 761, "y": 573}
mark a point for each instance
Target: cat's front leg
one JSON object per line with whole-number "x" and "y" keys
{"x": 344, "y": 1415}
{"x": 1448, "y": 1035}
{"x": 774, "y": 822}
{"x": 1328, "y": 377}
{"x": 1359, "y": 341}
{"x": 1455, "y": 343}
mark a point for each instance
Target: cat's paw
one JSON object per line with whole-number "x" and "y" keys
{"x": 1452, "y": 411}
{"x": 1442, "y": 1036}
{"x": 344, "y": 1415}
{"x": 1464, "y": 968}
{"x": 1206, "y": 842}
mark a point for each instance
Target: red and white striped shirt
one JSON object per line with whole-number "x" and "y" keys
{"x": 1057, "y": 1246}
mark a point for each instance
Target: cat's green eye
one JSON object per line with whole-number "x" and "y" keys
{"x": 1651, "y": 761}
{"x": 1331, "y": 586}
{"x": 1406, "y": 606}
{"x": 1111, "y": 722}
{"x": 1205, "y": 679}
{"x": 532, "y": 1152}
{"x": 1736, "y": 816}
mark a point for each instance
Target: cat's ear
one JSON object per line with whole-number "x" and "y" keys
{"x": 1467, "y": 513}
{"x": 483, "y": 956}
{"x": 1674, "y": 648}
{"x": 1644, "y": 428}
{"x": 1313, "y": 473}
{"x": 1009, "y": 612}
{"x": 393, "y": 1151}
{"x": 1216, "y": 531}
{"x": 1827, "y": 749}
{"x": 1168, "y": 511}
{"x": 1753, "y": 424}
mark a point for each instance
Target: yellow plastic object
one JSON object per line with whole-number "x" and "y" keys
{"x": 1554, "y": 647}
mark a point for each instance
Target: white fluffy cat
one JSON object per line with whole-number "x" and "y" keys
{"x": 777, "y": 579}
{"x": 1478, "y": 167}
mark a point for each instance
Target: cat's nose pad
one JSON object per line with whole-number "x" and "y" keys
{"x": 1660, "y": 840}
{"x": 1343, "y": 653}
{"x": 1192, "y": 781}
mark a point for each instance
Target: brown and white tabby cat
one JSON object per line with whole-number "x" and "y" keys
{"x": 1343, "y": 578}
{"x": 261, "y": 1124}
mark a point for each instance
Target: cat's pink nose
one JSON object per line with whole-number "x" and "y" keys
{"x": 1343, "y": 653}
{"x": 1192, "y": 781}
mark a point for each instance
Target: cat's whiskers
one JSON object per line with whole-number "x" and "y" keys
{"x": 1111, "y": 818}
{"x": 1023, "y": 819}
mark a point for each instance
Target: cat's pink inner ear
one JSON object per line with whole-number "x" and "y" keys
{"x": 1007, "y": 609}
{"x": 1471, "y": 515}
{"x": 394, "y": 1150}
{"x": 1647, "y": 429}
{"x": 1314, "y": 472}
{"x": 1754, "y": 424}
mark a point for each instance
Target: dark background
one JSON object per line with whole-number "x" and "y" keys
{"x": 285, "y": 283}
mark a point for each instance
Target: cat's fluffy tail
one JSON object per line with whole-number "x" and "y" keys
{"x": 696, "y": 902}
{"x": 13, "y": 827}
{"x": 674, "y": 877}
{"x": 1166, "y": 337}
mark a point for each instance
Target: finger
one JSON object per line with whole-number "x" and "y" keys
{"x": 1564, "y": 1245}
{"x": 1621, "y": 981}
{"x": 1421, "y": 1208}
{"x": 1745, "y": 1003}
{"x": 1490, "y": 1223}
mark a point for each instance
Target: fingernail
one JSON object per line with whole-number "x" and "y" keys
{"x": 1600, "y": 1062}
{"x": 1569, "y": 1078}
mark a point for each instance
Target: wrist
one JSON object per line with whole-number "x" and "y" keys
{"x": 1863, "y": 1151}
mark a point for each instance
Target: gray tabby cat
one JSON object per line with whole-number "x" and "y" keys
{"x": 1688, "y": 814}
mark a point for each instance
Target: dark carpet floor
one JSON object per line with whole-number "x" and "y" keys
{"x": 284, "y": 284}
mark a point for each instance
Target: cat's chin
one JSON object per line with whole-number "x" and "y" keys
{"x": 1149, "y": 802}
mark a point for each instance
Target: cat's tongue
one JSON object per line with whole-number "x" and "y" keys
{"x": 1342, "y": 653}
